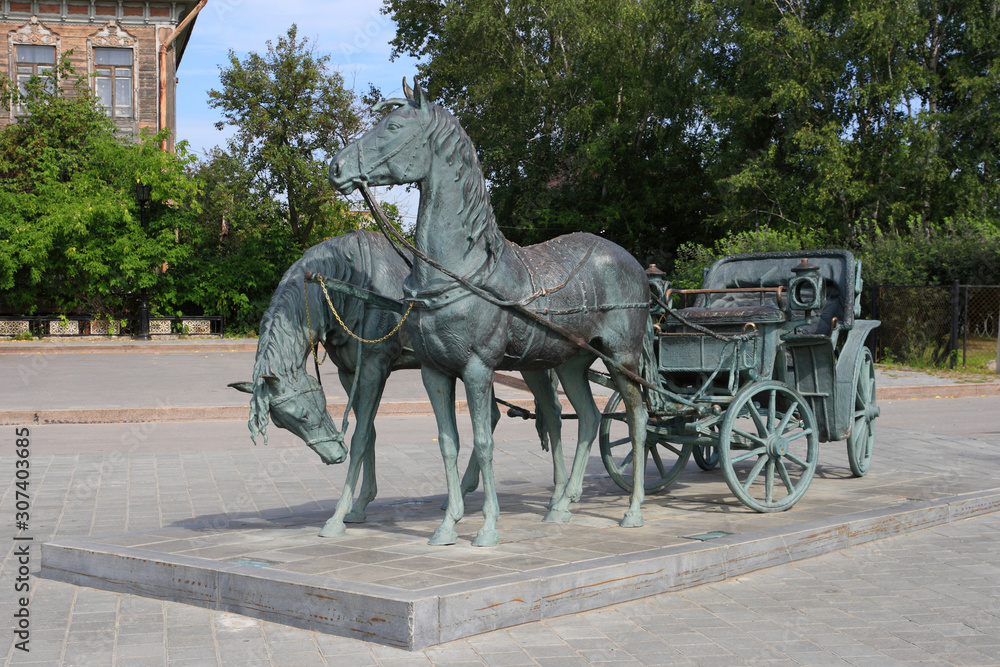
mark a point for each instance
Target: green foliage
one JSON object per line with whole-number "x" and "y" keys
{"x": 69, "y": 222}
{"x": 225, "y": 228}
{"x": 920, "y": 253}
{"x": 291, "y": 113}
{"x": 661, "y": 122}
{"x": 581, "y": 111}
{"x": 694, "y": 258}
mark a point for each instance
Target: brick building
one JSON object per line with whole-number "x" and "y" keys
{"x": 130, "y": 50}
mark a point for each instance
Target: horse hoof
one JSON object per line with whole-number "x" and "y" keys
{"x": 333, "y": 529}
{"x": 355, "y": 516}
{"x": 443, "y": 537}
{"x": 486, "y": 538}
{"x": 558, "y": 516}
{"x": 631, "y": 520}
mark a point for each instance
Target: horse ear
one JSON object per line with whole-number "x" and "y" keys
{"x": 272, "y": 381}
{"x": 418, "y": 95}
{"x": 245, "y": 387}
{"x": 407, "y": 91}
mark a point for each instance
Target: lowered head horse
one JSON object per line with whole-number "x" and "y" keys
{"x": 482, "y": 303}
{"x": 299, "y": 317}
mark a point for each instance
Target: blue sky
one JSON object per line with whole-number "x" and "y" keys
{"x": 353, "y": 33}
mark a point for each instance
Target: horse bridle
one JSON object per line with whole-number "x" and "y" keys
{"x": 363, "y": 175}
{"x": 294, "y": 394}
{"x": 309, "y": 443}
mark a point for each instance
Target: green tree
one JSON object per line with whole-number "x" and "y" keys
{"x": 845, "y": 116}
{"x": 657, "y": 122}
{"x": 70, "y": 234}
{"x": 582, "y": 112}
{"x": 290, "y": 113}
{"x": 241, "y": 243}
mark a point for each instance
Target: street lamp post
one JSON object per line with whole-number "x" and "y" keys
{"x": 142, "y": 195}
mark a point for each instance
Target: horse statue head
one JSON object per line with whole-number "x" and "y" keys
{"x": 295, "y": 403}
{"x": 387, "y": 154}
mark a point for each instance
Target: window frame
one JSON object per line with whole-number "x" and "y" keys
{"x": 114, "y": 77}
{"x": 31, "y": 33}
{"x": 115, "y": 36}
{"x": 37, "y": 67}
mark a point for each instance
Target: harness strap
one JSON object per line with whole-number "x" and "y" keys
{"x": 313, "y": 343}
{"x": 497, "y": 300}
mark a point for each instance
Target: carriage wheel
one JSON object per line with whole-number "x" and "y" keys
{"x": 664, "y": 461}
{"x": 706, "y": 456}
{"x": 861, "y": 441}
{"x": 768, "y": 446}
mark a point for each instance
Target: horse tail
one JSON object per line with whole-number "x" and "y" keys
{"x": 542, "y": 425}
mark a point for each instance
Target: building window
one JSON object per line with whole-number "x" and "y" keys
{"x": 113, "y": 81}
{"x": 33, "y": 60}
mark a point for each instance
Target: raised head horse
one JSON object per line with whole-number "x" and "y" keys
{"x": 479, "y": 298}
{"x": 299, "y": 317}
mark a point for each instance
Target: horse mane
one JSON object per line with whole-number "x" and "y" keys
{"x": 449, "y": 140}
{"x": 285, "y": 317}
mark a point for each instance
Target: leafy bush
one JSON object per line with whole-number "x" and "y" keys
{"x": 921, "y": 253}
{"x": 69, "y": 221}
{"x": 693, "y": 259}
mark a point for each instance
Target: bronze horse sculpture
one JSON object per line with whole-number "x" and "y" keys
{"x": 588, "y": 287}
{"x": 298, "y": 317}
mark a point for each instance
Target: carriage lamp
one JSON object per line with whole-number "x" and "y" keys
{"x": 805, "y": 289}
{"x": 658, "y": 282}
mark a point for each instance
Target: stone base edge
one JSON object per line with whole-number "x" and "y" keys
{"x": 418, "y": 619}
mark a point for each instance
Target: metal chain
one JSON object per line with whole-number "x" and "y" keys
{"x": 351, "y": 333}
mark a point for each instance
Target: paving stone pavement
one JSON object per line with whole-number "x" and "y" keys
{"x": 929, "y": 596}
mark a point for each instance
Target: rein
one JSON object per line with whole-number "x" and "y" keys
{"x": 495, "y": 299}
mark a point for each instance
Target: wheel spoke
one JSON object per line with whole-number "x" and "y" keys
{"x": 796, "y": 460}
{"x": 769, "y": 481}
{"x": 772, "y": 409}
{"x": 670, "y": 447}
{"x": 783, "y": 472}
{"x": 863, "y": 432}
{"x": 744, "y": 457}
{"x": 757, "y": 419}
{"x": 755, "y": 472}
{"x": 621, "y": 441}
{"x": 783, "y": 426}
{"x": 658, "y": 462}
{"x": 625, "y": 462}
{"x": 749, "y": 436}
{"x": 803, "y": 432}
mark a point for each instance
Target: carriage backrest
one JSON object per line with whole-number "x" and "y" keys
{"x": 838, "y": 268}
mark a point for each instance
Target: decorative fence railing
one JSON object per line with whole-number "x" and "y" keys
{"x": 87, "y": 325}
{"x": 953, "y": 325}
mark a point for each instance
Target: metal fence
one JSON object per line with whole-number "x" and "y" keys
{"x": 86, "y": 325}
{"x": 954, "y": 325}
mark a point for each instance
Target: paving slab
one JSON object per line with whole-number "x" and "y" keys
{"x": 383, "y": 583}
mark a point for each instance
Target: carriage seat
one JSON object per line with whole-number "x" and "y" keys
{"x": 738, "y": 315}
{"x": 774, "y": 269}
